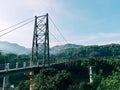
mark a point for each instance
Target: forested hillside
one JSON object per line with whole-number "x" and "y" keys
{"x": 105, "y": 60}
{"x": 111, "y": 50}
{"x": 59, "y": 48}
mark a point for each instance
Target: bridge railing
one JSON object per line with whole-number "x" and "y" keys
{"x": 17, "y": 65}
{"x": 22, "y": 65}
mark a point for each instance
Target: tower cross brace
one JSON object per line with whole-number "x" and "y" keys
{"x": 40, "y": 45}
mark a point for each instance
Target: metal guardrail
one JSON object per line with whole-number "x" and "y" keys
{"x": 16, "y": 66}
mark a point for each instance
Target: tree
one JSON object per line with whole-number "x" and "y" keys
{"x": 110, "y": 83}
{"x": 23, "y": 85}
{"x": 51, "y": 79}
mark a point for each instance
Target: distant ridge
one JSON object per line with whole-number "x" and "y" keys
{"x": 7, "y": 47}
{"x": 58, "y": 48}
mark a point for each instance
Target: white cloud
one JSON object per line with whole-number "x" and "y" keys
{"x": 97, "y": 39}
{"x": 109, "y": 35}
{"x": 91, "y": 39}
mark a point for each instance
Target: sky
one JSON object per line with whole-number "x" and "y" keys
{"x": 83, "y": 22}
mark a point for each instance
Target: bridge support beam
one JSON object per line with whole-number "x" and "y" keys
{"x": 90, "y": 74}
{"x": 31, "y": 84}
{"x": 5, "y": 83}
{"x": 31, "y": 74}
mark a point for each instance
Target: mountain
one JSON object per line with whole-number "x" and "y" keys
{"x": 58, "y": 48}
{"x": 7, "y": 47}
{"x": 95, "y": 51}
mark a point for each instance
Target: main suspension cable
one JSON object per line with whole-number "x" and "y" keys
{"x": 16, "y": 28}
{"x": 58, "y": 30}
{"x": 55, "y": 38}
{"x": 16, "y": 24}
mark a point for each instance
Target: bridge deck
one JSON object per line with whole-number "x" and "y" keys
{"x": 7, "y": 70}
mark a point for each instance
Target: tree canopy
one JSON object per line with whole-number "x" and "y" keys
{"x": 52, "y": 79}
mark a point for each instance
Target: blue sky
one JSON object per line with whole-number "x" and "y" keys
{"x": 84, "y": 22}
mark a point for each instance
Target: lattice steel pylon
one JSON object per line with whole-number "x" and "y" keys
{"x": 40, "y": 45}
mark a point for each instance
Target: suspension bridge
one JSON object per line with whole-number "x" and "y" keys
{"x": 40, "y": 56}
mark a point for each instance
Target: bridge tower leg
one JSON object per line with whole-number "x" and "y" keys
{"x": 5, "y": 83}
{"x": 40, "y": 45}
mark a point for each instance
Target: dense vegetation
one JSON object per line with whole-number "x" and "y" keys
{"x": 104, "y": 59}
{"x": 75, "y": 76}
{"x": 106, "y": 51}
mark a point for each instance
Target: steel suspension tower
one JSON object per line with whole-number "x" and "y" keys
{"x": 40, "y": 45}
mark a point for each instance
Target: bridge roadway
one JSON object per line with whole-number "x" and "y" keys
{"x": 24, "y": 69}
{"x": 17, "y": 68}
